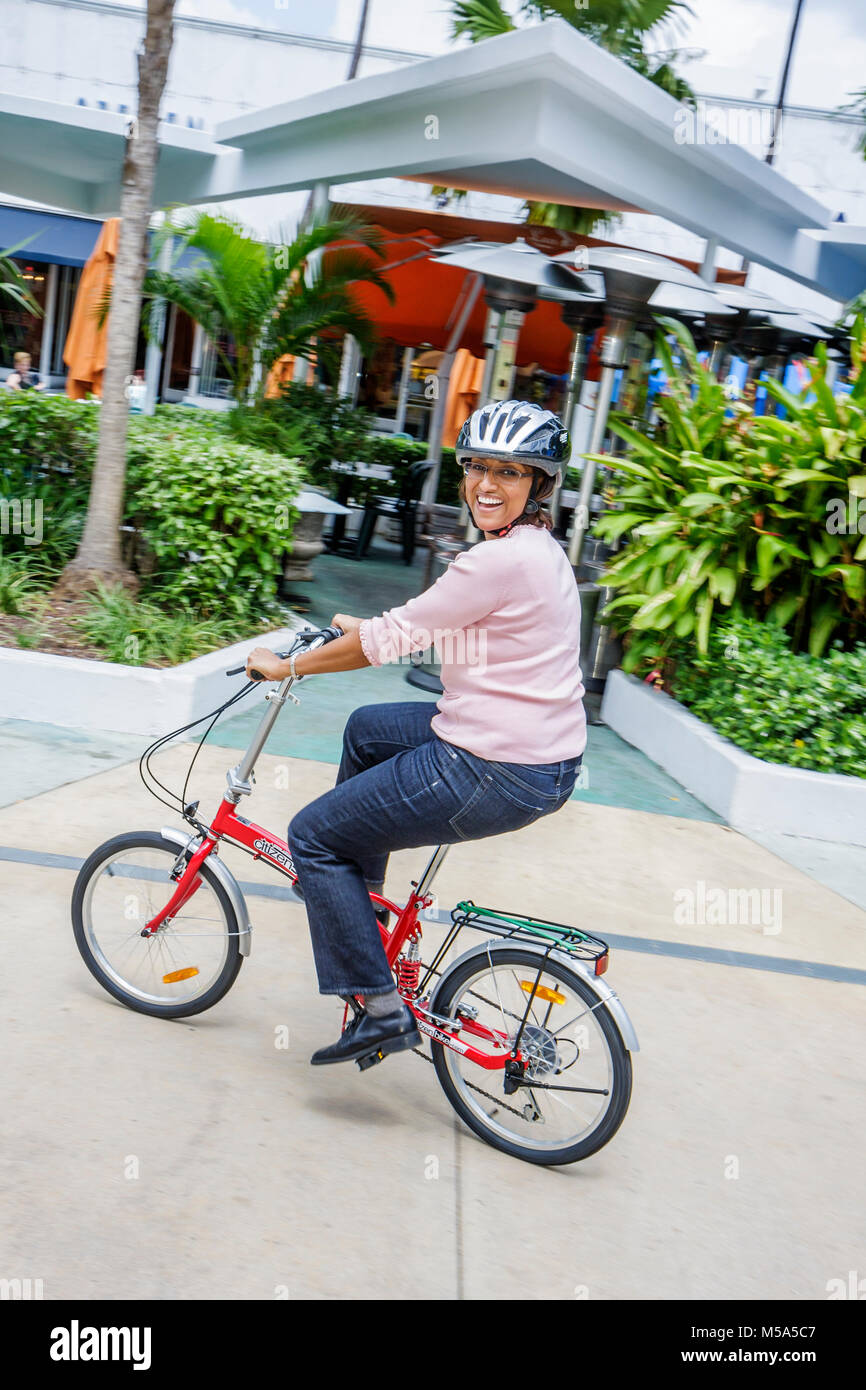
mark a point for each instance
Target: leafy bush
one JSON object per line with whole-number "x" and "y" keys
{"x": 216, "y": 514}
{"x": 313, "y": 426}
{"x": 729, "y": 512}
{"x": 137, "y": 633}
{"x": 20, "y": 579}
{"x": 783, "y": 706}
{"x": 317, "y": 428}
{"x": 46, "y": 438}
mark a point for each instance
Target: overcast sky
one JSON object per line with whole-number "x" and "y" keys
{"x": 743, "y": 40}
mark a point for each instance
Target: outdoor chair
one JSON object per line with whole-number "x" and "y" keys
{"x": 439, "y": 528}
{"x": 403, "y": 508}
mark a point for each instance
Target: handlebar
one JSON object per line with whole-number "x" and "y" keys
{"x": 305, "y": 638}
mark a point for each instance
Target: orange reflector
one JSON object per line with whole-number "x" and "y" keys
{"x": 176, "y": 975}
{"x": 543, "y": 992}
{"x": 602, "y": 963}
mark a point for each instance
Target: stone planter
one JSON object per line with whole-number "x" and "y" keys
{"x": 105, "y": 696}
{"x": 750, "y": 794}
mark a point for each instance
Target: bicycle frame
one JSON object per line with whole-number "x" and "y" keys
{"x": 274, "y": 851}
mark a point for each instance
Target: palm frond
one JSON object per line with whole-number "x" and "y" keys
{"x": 479, "y": 20}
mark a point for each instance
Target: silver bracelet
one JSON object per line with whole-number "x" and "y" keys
{"x": 292, "y": 659}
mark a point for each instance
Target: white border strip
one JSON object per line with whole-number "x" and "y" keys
{"x": 747, "y": 792}
{"x": 104, "y": 696}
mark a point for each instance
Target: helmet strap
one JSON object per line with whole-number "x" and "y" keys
{"x": 529, "y": 510}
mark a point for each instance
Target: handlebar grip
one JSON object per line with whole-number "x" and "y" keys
{"x": 328, "y": 634}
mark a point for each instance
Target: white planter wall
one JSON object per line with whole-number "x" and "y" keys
{"x": 105, "y": 696}
{"x": 747, "y": 792}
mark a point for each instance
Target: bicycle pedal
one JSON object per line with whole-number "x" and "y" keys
{"x": 370, "y": 1060}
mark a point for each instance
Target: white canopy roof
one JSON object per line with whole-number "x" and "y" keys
{"x": 541, "y": 113}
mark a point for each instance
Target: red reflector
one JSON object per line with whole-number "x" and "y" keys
{"x": 601, "y": 963}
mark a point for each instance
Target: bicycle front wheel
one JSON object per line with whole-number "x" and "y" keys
{"x": 571, "y": 1046}
{"x": 183, "y": 968}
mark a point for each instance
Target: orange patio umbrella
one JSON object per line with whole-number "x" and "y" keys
{"x": 283, "y": 371}
{"x": 464, "y": 391}
{"x": 86, "y": 341}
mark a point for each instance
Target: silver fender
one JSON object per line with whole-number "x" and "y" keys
{"x": 182, "y": 838}
{"x": 597, "y": 984}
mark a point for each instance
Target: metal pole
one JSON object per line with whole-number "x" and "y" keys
{"x": 577, "y": 362}
{"x": 46, "y": 349}
{"x": 612, "y": 353}
{"x": 403, "y": 397}
{"x": 317, "y": 209}
{"x": 153, "y": 355}
{"x": 783, "y": 86}
{"x": 193, "y": 384}
{"x": 434, "y": 444}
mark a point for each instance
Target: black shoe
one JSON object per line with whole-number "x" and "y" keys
{"x": 395, "y": 1032}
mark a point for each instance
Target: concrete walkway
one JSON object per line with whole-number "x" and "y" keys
{"x": 198, "y": 1160}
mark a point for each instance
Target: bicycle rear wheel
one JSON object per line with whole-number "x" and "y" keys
{"x": 183, "y": 968}
{"x": 570, "y": 1042}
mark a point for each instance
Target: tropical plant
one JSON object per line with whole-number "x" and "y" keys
{"x": 783, "y": 706}
{"x": 857, "y": 107}
{"x": 249, "y": 297}
{"x": 620, "y": 26}
{"x": 725, "y": 511}
{"x": 13, "y": 286}
{"x": 215, "y": 515}
{"x": 139, "y": 633}
{"x": 98, "y": 559}
{"x": 20, "y": 579}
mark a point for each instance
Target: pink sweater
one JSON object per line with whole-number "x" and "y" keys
{"x": 505, "y": 621}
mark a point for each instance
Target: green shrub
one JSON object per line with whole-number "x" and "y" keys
{"x": 46, "y": 438}
{"x": 217, "y": 515}
{"x": 138, "y": 633}
{"x": 783, "y": 706}
{"x": 20, "y": 578}
{"x": 727, "y": 515}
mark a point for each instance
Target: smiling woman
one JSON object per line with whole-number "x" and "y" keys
{"x": 501, "y": 748}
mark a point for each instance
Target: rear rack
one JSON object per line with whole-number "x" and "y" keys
{"x": 530, "y": 929}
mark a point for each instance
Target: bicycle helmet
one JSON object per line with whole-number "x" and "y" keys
{"x": 515, "y": 430}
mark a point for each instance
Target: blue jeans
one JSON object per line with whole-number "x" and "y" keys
{"x": 399, "y": 786}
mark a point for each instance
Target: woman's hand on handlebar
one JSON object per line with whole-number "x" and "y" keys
{"x": 347, "y": 623}
{"x": 266, "y": 663}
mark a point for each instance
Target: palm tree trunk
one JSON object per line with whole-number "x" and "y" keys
{"x": 99, "y": 557}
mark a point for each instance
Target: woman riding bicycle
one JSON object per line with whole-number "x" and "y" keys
{"x": 499, "y": 749}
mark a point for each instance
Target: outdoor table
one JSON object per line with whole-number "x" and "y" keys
{"x": 307, "y": 540}
{"x": 346, "y": 473}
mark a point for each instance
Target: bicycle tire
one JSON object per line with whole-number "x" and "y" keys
{"x": 453, "y": 981}
{"x": 147, "y": 839}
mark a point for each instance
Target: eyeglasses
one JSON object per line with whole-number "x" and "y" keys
{"x": 508, "y": 477}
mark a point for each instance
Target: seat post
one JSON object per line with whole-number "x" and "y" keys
{"x": 433, "y": 866}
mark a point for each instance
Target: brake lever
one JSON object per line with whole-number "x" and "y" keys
{"x": 305, "y": 636}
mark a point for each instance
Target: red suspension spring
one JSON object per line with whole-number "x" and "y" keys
{"x": 408, "y": 975}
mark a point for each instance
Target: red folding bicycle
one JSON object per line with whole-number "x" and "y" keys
{"x": 530, "y": 1044}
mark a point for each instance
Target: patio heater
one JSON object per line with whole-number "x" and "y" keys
{"x": 630, "y": 280}
{"x": 769, "y": 338}
{"x": 515, "y": 277}
{"x": 583, "y": 318}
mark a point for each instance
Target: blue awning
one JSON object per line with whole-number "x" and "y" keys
{"x": 57, "y": 238}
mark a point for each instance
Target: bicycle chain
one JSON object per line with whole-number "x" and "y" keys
{"x": 496, "y": 1099}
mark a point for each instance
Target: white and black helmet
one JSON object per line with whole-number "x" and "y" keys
{"x": 515, "y": 430}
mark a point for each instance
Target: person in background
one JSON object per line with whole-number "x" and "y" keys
{"x": 22, "y": 377}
